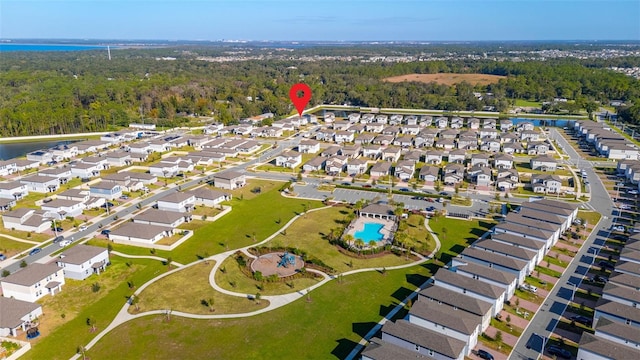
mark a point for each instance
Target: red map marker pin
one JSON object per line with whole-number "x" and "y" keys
{"x": 300, "y": 102}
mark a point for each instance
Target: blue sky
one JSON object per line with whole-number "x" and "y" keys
{"x": 336, "y": 20}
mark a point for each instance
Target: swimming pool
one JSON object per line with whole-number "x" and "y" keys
{"x": 370, "y": 232}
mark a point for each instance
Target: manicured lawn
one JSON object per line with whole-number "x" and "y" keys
{"x": 62, "y": 342}
{"x": 243, "y": 284}
{"x": 592, "y": 217}
{"x": 190, "y": 298}
{"x": 25, "y": 235}
{"x": 308, "y": 234}
{"x": 10, "y": 247}
{"x": 506, "y": 328}
{"x": 528, "y": 103}
{"x": 327, "y": 327}
{"x": 455, "y": 234}
{"x": 253, "y": 215}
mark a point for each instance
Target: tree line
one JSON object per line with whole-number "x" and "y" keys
{"x": 55, "y": 93}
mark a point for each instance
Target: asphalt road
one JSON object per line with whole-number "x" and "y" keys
{"x": 545, "y": 320}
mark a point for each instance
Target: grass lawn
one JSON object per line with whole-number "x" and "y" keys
{"x": 327, "y": 327}
{"x": 190, "y": 298}
{"x": 10, "y": 247}
{"x": 418, "y": 238}
{"x": 260, "y": 214}
{"x": 308, "y": 234}
{"x": 244, "y": 284}
{"x": 547, "y": 271}
{"x": 527, "y": 103}
{"x": 206, "y": 210}
{"x": 62, "y": 341}
{"x": 592, "y": 217}
{"x": 456, "y": 234}
{"x": 506, "y": 328}
{"x": 529, "y": 296}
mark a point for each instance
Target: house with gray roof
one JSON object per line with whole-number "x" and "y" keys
{"x": 471, "y": 287}
{"x": 378, "y": 211}
{"x": 621, "y": 294}
{"x": 617, "y": 311}
{"x": 16, "y": 315}
{"x": 81, "y": 261}
{"x": 597, "y": 348}
{"x": 423, "y": 341}
{"x": 617, "y": 332}
{"x": 379, "y": 349}
{"x": 466, "y": 303}
{"x": 229, "y": 180}
{"x": 503, "y": 279}
{"x": 143, "y": 233}
{"x": 536, "y": 246}
{"x": 494, "y": 260}
{"x": 171, "y": 219}
{"x": 33, "y": 282}
{"x": 447, "y": 320}
{"x": 205, "y": 196}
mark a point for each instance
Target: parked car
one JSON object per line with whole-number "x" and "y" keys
{"x": 531, "y": 288}
{"x": 429, "y": 199}
{"x": 58, "y": 239}
{"x": 605, "y": 264}
{"x": 34, "y": 251}
{"x": 3, "y": 257}
{"x": 632, "y": 192}
{"x": 105, "y": 232}
{"x": 58, "y": 229}
{"x": 483, "y": 354}
{"x": 558, "y": 351}
{"x": 619, "y": 228}
{"x": 124, "y": 197}
{"x": 64, "y": 243}
{"x": 82, "y": 227}
{"x": 582, "y": 320}
{"x": 109, "y": 204}
{"x": 431, "y": 208}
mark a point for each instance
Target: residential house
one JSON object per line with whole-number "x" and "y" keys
{"x": 374, "y": 127}
{"x": 592, "y": 347}
{"x": 119, "y": 158}
{"x": 529, "y": 135}
{"x": 13, "y": 190}
{"x": 41, "y": 184}
{"x": 456, "y": 123}
{"x": 335, "y": 164}
{"x": 423, "y": 342}
{"x": 33, "y": 282}
{"x": 498, "y": 261}
{"x": 396, "y": 119}
{"x": 331, "y": 151}
{"x": 538, "y": 247}
{"x": 546, "y": 184}
{"x": 470, "y": 287}
{"x": 506, "y": 125}
{"x": 544, "y": 163}
{"x": 171, "y": 219}
{"x": 354, "y": 118}
{"x": 391, "y": 130}
{"x": 81, "y": 261}
{"x": 450, "y": 134}
{"x": 351, "y": 152}
{"x": 489, "y": 123}
{"x": 16, "y": 315}
{"x": 289, "y": 159}
{"x": 509, "y": 138}
{"x": 512, "y": 148}
{"x": 414, "y": 156}
{"x": 473, "y": 123}
{"x": 453, "y": 174}
{"x": 411, "y": 120}
{"x": 457, "y": 156}
{"x": 100, "y": 162}
{"x": 426, "y": 120}
{"x": 524, "y": 126}
{"x": 537, "y": 148}
{"x": 433, "y": 157}
{"x": 315, "y": 164}
{"x": 41, "y": 156}
{"x": 488, "y": 133}
{"x": 229, "y": 180}
{"x": 446, "y": 144}
{"x": 429, "y": 174}
{"x": 441, "y": 122}
{"x": 382, "y": 119}
{"x": 364, "y": 139}
{"x": 480, "y": 175}
{"x": 403, "y": 141}
{"x": 380, "y": 169}
{"x": 26, "y": 164}
{"x": 384, "y": 140}
{"x": 26, "y": 219}
{"x": 85, "y": 171}
{"x": 404, "y": 170}
{"x": 356, "y": 167}
{"x": 509, "y": 251}
{"x": 309, "y": 146}
{"x": 462, "y": 302}
{"x": 492, "y": 145}
{"x": 61, "y": 208}
{"x": 410, "y": 129}
{"x": 178, "y": 201}
{"x": 8, "y": 167}
{"x": 491, "y": 276}
{"x": 63, "y": 174}
{"x": 391, "y": 154}
{"x": 206, "y": 196}
{"x": 143, "y": 233}
{"x": 480, "y": 159}
{"x": 343, "y": 136}
{"x": 106, "y": 190}
{"x": 467, "y": 142}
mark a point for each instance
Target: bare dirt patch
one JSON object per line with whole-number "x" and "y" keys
{"x": 447, "y": 78}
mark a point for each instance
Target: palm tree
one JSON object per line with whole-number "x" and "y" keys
{"x": 348, "y": 238}
{"x": 359, "y": 244}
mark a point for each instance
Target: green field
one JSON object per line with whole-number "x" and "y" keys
{"x": 455, "y": 235}
{"x": 326, "y": 327}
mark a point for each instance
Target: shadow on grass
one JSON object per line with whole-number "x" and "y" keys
{"x": 401, "y": 293}
{"x": 343, "y": 348}
{"x": 363, "y": 328}
{"x": 416, "y": 279}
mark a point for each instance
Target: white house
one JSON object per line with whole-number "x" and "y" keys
{"x": 13, "y": 190}
{"x": 16, "y": 315}
{"x": 143, "y": 233}
{"x": 309, "y": 146}
{"x": 81, "y": 261}
{"x": 229, "y": 180}
{"x": 106, "y": 190}
{"x": 209, "y": 197}
{"x": 178, "y": 201}
{"x": 471, "y": 287}
{"x": 63, "y": 208}
{"x": 423, "y": 342}
{"x": 33, "y": 282}
{"x": 544, "y": 163}
{"x": 41, "y": 184}
{"x": 156, "y": 217}
{"x": 289, "y": 159}
{"x": 26, "y": 219}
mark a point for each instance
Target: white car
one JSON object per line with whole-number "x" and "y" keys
{"x": 632, "y": 192}
{"x": 619, "y": 228}
{"x": 64, "y": 243}
{"x": 83, "y": 227}
{"x": 625, "y": 207}
{"x": 620, "y": 184}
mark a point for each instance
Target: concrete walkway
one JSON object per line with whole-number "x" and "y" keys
{"x": 275, "y": 301}
{"x": 19, "y": 240}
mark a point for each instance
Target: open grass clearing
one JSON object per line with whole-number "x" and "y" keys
{"x": 10, "y": 247}
{"x": 326, "y": 327}
{"x": 447, "y": 78}
{"x": 61, "y": 342}
{"x": 309, "y": 233}
{"x": 592, "y": 217}
{"x": 231, "y": 277}
{"x": 527, "y": 103}
{"x": 195, "y": 297}
{"x": 456, "y": 234}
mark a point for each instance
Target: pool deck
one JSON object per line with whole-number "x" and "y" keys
{"x": 386, "y": 231}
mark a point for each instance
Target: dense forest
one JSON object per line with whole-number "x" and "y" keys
{"x": 53, "y": 93}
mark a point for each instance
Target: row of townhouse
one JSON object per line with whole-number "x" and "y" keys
{"x": 442, "y": 122}
{"x": 457, "y": 306}
{"x": 608, "y": 143}
{"x": 528, "y": 141}
{"x": 616, "y": 319}
{"x": 630, "y": 170}
{"x": 21, "y": 289}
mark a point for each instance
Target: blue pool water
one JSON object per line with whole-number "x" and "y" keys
{"x": 370, "y": 232}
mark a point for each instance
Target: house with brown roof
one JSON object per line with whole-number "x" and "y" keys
{"x": 33, "y": 282}
{"x": 81, "y": 261}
